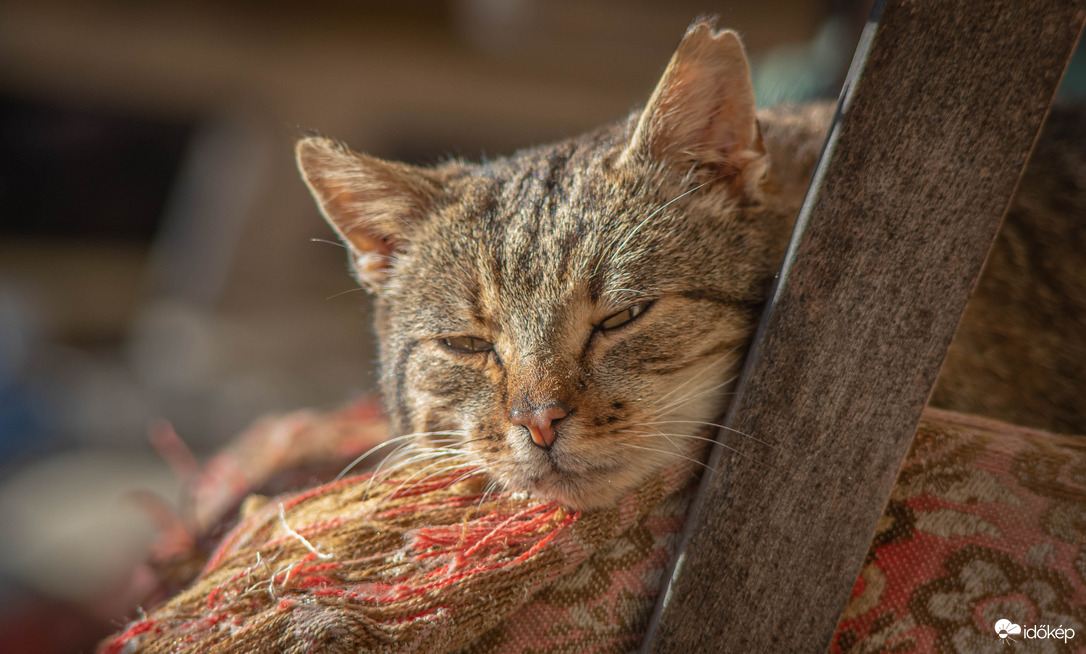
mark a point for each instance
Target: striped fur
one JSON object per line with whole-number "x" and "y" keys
{"x": 673, "y": 205}
{"x": 687, "y": 204}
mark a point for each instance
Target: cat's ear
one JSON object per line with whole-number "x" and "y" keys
{"x": 372, "y": 204}
{"x": 702, "y": 111}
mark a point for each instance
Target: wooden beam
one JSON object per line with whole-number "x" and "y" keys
{"x": 919, "y": 167}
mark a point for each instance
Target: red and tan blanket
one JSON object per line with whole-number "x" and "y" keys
{"x": 986, "y": 524}
{"x": 417, "y": 562}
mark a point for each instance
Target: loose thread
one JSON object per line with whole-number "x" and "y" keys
{"x": 300, "y": 538}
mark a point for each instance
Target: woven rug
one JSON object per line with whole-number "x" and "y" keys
{"x": 416, "y": 562}
{"x": 986, "y": 526}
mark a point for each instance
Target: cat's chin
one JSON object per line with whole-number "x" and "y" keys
{"x": 583, "y": 482}
{"x": 576, "y": 491}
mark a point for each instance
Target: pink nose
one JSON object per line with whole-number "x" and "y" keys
{"x": 540, "y": 422}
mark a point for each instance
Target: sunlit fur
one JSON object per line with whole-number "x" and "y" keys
{"x": 532, "y": 252}
{"x": 686, "y": 205}
{"x": 524, "y": 256}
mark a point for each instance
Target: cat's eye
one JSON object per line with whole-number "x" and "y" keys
{"x": 622, "y": 317}
{"x": 467, "y": 344}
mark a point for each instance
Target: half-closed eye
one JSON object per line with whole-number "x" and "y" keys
{"x": 616, "y": 320}
{"x": 467, "y": 344}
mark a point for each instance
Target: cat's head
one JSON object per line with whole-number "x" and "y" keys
{"x": 569, "y": 318}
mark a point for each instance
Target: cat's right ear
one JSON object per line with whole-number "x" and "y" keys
{"x": 702, "y": 111}
{"x": 372, "y": 204}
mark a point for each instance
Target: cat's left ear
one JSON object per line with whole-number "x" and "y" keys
{"x": 373, "y": 204}
{"x": 702, "y": 111}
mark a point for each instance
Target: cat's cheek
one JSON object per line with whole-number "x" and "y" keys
{"x": 448, "y": 382}
{"x": 441, "y": 393}
{"x": 487, "y": 452}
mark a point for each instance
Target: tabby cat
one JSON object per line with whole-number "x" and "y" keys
{"x": 570, "y": 318}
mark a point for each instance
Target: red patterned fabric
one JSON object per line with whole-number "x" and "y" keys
{"x": 278, "y": 453}
{"x": 413, "y": 561}
{"x": 986, "y": 523}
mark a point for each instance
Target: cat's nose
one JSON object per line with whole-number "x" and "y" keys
{"x": 540, "y": 422}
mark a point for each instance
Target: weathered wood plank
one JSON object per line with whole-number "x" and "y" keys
{"x": 923, "y": 159}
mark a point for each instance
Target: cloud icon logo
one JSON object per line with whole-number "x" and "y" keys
{"x": 1005, "y": 628}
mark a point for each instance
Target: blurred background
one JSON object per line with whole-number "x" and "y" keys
{"x": 160, "y": 258}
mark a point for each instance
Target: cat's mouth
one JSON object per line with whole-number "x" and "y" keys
{"x": 560, "y": 463}
{"x": 574, "y": 486}
{"x": 586, "y": 480}
{"x": 570, "y": 490}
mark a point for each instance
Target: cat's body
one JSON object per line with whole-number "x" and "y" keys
{"x": 1020, "y": 351}
{"x": 568, "y": 319}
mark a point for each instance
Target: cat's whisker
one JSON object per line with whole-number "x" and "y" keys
{"x": 693, "y": 395}
{"x": 616, "y": 295}
{"x": 326, "y": 241}
{"x": 616, "y": 250}
{"x": 414, "y": 439}
{"x": 392, "y": 457}
{"x": 629, "y": 236}
{"x": 692, "y": 437}
{"x": 666, "y": 436}
{"x": 680, "y": 436}
{"x": 404, "y": 484}
{"x": 696, "y": 377}
{"x": 380, "y": 446}
{"x": 378, "y": 476}
{"x": 416, "y": 452}
{"x": 677, "y": 405}
{"x": 436, "y": 461}
{"x": 689, "y": 175}
{"x": 712, "y": 424}
{"x": 404, "y": 454}
{"x": 473, "y": 472}
{"x": 710, "y": 440}
{"x": 412, "y": 452}
{"x": 349, "y": 290}
{"x": 670, "y": 453}
{"x": 680, "y": 403}
{"x": 425, "y": 453}
{"x": 427, "y": 449}
{"x": 497, "y": 491}
{"x": 707, "y": 367}
{"x": 490, "y": 488}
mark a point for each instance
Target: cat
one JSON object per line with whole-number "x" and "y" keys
{"x": 1019, "y": 354}
{"x": 571, "y": 318}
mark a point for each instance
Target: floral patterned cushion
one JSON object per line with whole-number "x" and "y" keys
{"x": 986, "y": 525}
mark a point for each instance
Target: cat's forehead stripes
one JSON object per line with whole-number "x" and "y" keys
{"x": 530, "y": 232}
